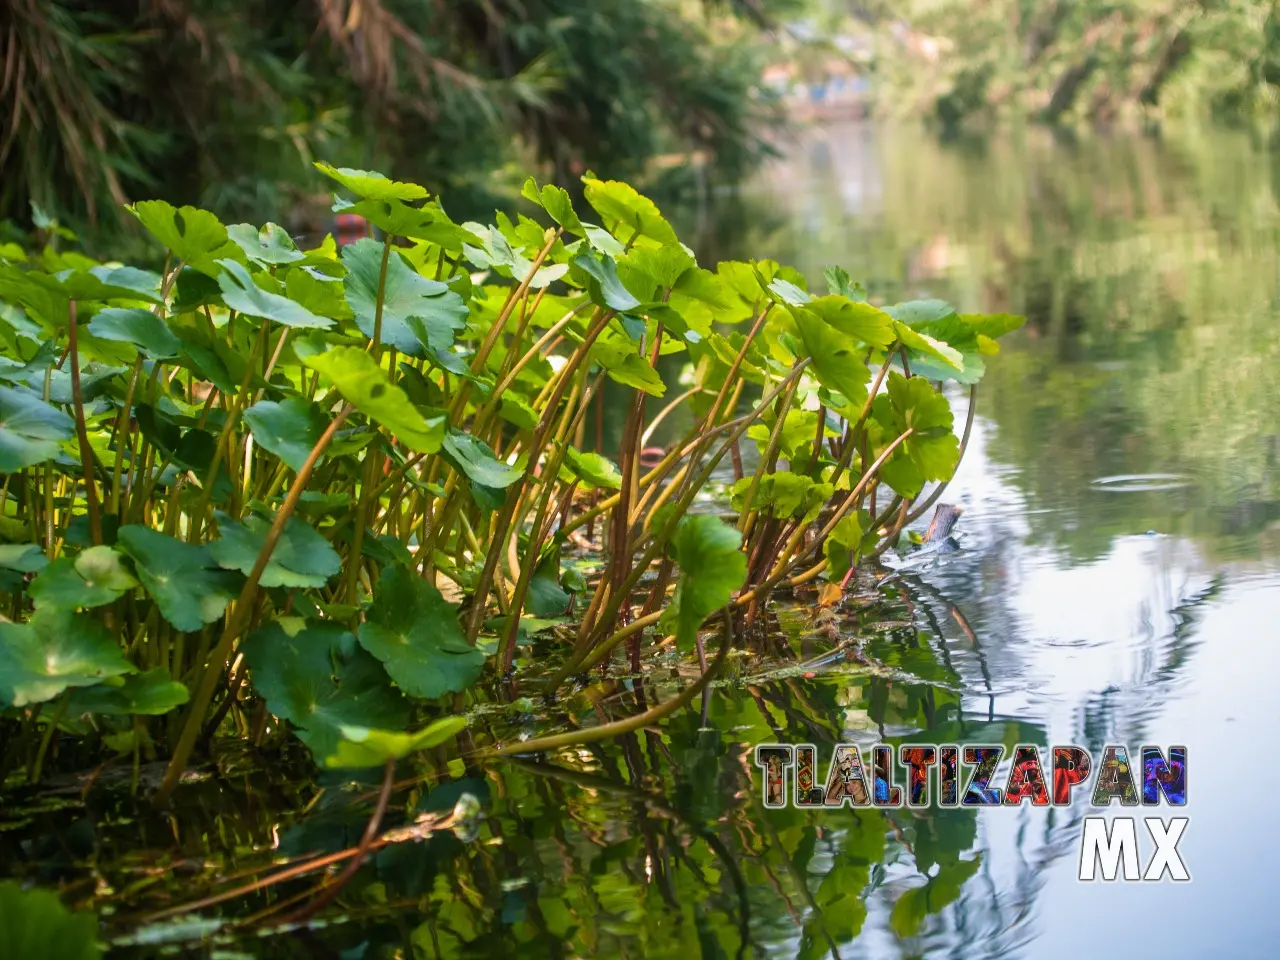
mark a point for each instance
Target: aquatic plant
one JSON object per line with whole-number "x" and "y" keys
{"x": 335, "y": 487}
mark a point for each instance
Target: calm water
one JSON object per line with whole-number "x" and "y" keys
{"x": 1117, "y": 581}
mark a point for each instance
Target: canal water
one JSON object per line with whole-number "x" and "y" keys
{"x": 1115, "y": 579}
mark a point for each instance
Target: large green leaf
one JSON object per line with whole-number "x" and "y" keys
{"x": 57, "y": 649}
{"x": 182, "y": 578}
{"x": 240, "y": 292}
{"x": 476, "y": 459}
{"x": 142, "y": 328}
{"x": 407, "y": 297}
{"x": 364, "y": 383}
{"x": 605, "y": 287}
{"x": 592, "y": 469}
{"x": 415, "y": 634}
{"x": 372, "y": 185}
{"x": 933, "y": 450}
{"x": 712, "y": 567}
{"x": 271, "y": 246}
{"x": 301, "y": 558}
{"x": 34, "y": 925}
{"x": 858, "y": 320}
{"x": 196, "y": 237}
{"x": 313, "y": 674}
{"x": 96, "y": 577}
{"x": 289, "y": 429}
{"x": 365, "y": 747}
{"x": 836, "y": 360}
{"x": 30, "y": 430}
{"x": 152, "y": 693}
{"x": 627, "y": 213}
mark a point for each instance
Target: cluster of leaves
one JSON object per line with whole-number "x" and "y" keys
{"x": 225, "y": 103}
{"x": 1092, "y": 59}
{"x": 320, "y": 470}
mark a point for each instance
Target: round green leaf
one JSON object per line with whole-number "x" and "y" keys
{"x": 144, "y": 694}
{"x": 301, "y": 558}
{"x": 289, "y": 429}
{"x": 182, "y": 578}
{"x": 57, "y": 649}
{"x": 142, "y": 328}
{"x": 415, "y": 634}
{"x": 30, "y": 430}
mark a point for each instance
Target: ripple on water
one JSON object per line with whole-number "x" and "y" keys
{"x": 1141, "y": 482}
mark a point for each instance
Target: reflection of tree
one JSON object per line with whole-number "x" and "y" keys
{"x": 1147, "y": 272}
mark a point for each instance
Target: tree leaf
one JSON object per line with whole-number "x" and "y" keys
{"x": 182, "y": 578}
{"x": 144, "y": 694}
{"x": 415, "y": 634}
{"x": 365, "y": 384}
{"x": 301, "y": 558}
{"x": 271, "y": 246}
{"x": 57, "y": 649}
{"x": 93, "y": 578}
{"x": 712, "y": 567}
{"x": 365, "y": 747}
{"x": 289, "y": 429}
{"x": 30, "y": 430}
{"x": 240, "y": 292}
{"x": 34, "y": 925}
{"x": 372, "y": 185}
{"x": 406, "y": 294}
{"x": 142, "y": 328}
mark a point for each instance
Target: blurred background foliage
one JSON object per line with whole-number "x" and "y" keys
{"x": 225, "y": 103}
{"x": 1106, "y": 61}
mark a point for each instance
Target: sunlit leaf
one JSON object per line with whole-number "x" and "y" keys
{"x": 142, "y": 328}
{"x": 301, "y": 558}
{"x": 365, "y": 385}
{"x": 289, "y": 429}
{"x": 374, "y": 186}
{"x": 365, "y": 747}
{"x": 196, "y": 237}
{"x": 240, "y": 292}
{"x": 95, "y": 577}
{"x": 271, "y": 246}
{"x": 712, "y": 567}
{"x": 182, "y": 578}
{"x": 55, "y": 650}
{"x": 440, "y": 312}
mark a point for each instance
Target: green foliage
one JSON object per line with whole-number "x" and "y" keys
{"x": 262, "y": 473}
{"x": 35, "y": 925}
{"x": 1099, "y": 60}
{"x": 225, "y": 105}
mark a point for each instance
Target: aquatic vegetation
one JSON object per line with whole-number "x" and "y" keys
{"x": 336, "y": 487}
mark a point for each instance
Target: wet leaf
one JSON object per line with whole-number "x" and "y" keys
{"x": 34, "y": 925}
{"x": 365, "y": 747}
{"x": 415, "y": 633}
{"x": 240, "y": 292}
{"x": 57, "y": 649}
{"x": 289, "y": 429}
{"x": 365, "y": 384}
{"x": 152, "y": 693}
{"x": 182, "y": 578}
{"x": 712, "y": 567}
{"x": 141, "y": 328}
{"x": 301, "y": 558}
{"x": 30, "y": 430}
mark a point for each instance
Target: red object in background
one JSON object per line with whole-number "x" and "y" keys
{"x": 350, "y": 227}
